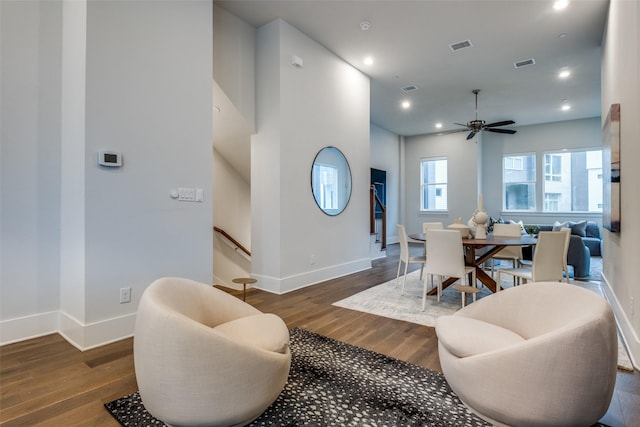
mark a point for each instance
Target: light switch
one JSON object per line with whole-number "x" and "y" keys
{"x": 186, "y": 194}
{"x": 199, "y": 195}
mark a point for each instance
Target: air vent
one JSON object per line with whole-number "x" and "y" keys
{"x": 460, "y": 45}
{"x": 409, "y": 88}
{"x": 524, "y": 63}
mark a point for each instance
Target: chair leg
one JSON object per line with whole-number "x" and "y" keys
{"x": 404, "y": 280}
{"x": 439, "y": 287}
{"x": 498, "y": 282}
{"x": 421, "y": 270}
{"x": 424, "y": 291}
{"x": 398, "y": 273}
{"x": 464, "y": 299}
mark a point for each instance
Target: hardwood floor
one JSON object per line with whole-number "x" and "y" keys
{"x": 46, "y": 381}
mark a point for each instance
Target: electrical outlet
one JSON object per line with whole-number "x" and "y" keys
{"x": 312, "y": 259}
{"x": 125, "y": 295}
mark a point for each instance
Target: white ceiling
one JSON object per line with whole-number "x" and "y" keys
{"x": 410, "y": 40}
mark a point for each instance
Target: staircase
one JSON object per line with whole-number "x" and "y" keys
{"x": 378, "y": 226}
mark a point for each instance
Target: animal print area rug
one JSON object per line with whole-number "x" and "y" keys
{"x": 332, "y": 383}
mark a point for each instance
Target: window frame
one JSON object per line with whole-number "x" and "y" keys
{"x": 534, "y": 182}
{"x": 438, "y": 185}
{"x": 571, "y": 184}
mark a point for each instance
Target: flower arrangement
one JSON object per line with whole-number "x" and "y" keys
{"x": 532, "y": 229}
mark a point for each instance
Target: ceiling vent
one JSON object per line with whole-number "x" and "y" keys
{"x": 524, "y": 63}
{"x": 460, "y": 45}
{"x": 409, "y": 88}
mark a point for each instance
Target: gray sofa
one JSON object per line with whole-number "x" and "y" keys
{"x": 586, "y": 241}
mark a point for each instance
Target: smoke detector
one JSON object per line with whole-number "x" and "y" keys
{"x": 365, "y": 25}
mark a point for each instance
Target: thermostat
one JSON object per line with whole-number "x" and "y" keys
{"x": 110, "y": 159}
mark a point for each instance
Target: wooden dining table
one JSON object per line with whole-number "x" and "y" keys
{"x": 494, "y": 244}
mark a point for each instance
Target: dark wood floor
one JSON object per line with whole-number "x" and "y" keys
{"x": 46, "y": 381}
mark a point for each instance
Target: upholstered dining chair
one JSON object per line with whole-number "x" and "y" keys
{"x": 549, "y": 259}
{"x": 567, "y": 239}
{"x": 445, "y": 257}
{"x": 513, "y": 253}
{"x": 406, "y": 257}
{"x": 205, "y": 357}
{"x": 431, "y": 226}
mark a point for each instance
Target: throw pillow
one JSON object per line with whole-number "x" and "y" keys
{"x": 558, "y": 225}
{"x": 578, "y": 228}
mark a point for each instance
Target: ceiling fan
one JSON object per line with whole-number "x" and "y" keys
{"x": 476, "y": 125}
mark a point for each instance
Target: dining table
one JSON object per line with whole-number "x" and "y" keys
{"x": 493, "y": 245}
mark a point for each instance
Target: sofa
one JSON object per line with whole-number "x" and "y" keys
{"x": 586, "y": 241}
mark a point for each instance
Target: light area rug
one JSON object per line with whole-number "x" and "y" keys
{"x": 386, "y": 300}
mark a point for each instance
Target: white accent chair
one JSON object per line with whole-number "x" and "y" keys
{"x": 544, "y": 354}
{"x": 549, "y": 259}
{"x": 513, "y": 253}
{"x": 445, "y": 257}
{"x": 204, "y": 357}
{"x": 406, "y": 258}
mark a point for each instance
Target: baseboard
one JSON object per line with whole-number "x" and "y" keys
{"x": 298, "y": 281}
{"x": 27, "y": 327}
{"x": 91, "y": 335}
{"x": 629, "y": 335}
{"x": 80, "y": 335}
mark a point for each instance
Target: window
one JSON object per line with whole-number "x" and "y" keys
{"x": 573, "y": 181}
{"x": 433, "y": 184}
{"x": 519, "y": 178}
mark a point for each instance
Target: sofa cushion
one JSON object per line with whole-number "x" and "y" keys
{"x": 464, "y": 336}
{"x": 578, "y": 228}
{"x": 593, "y": 230}
{"x": 558, "y": 225}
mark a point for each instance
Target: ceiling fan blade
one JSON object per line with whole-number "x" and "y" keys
{"x": 471, "y": 135}
{"x": 460, "y": 124}
{"x": 509, "y": 131}
{"x": 504, "y": 123}
{"x": 446, "y": 132}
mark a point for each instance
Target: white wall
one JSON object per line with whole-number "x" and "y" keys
{"x": 234, "y": 61}
{"x": 232, "y": 213}
{"x": 534, "y": 139}
{"x": 620, "y": 71}
{"x": 148, "y": 95}
{"x": 462, "y": 186}
{"x": 31, "y": 35}
{"x": 300, "y": 111}
{"x": 385, "y": 155}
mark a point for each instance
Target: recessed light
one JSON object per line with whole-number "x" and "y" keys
{"x": 438, "y": 125}
{"x": 563, "y": 35}
{"x": 563, "y": 74}
{"x": 406, "y": 104}
{"x": 560, "y": 4}
{"x": 566, "y": 107}
{"x": 368, "y": 60}
{"x": 365, "y": 25}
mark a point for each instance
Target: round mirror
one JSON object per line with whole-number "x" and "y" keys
{"x": 331, "y": 180}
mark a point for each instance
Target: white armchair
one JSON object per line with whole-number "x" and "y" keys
{"x": 203, "y": 357}
{"x": 542, "y": 354}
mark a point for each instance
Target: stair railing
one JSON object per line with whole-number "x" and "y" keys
{"x": 237, "y": 246}
{"x": 375, "y": 201}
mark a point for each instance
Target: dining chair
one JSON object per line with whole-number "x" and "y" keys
{"x": 445, "y": 257}
{"x": 406, "y": 258}
{"x": 565, "y": 267}
{"x": 430, "y": 226}
{"x": 549, "y": 260}
{"x": 513, "y": 253}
